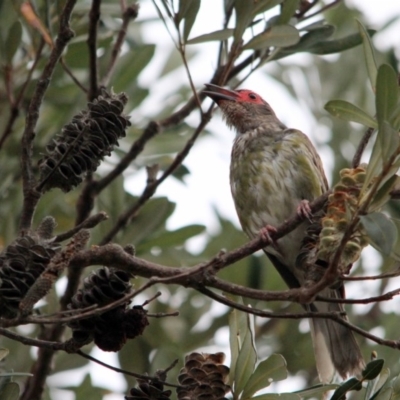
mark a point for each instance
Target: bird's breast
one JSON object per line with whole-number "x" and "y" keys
{"x": 267, "y": 184}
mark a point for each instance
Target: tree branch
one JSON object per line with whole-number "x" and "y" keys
{"x": 31, "y": 197}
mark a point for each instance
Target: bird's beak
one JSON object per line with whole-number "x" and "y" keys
{"x": 218, "y": 93}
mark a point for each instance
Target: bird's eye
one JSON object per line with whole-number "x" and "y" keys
{"x": 252, "y": 96}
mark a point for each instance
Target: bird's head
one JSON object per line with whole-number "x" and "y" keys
{"x": 243, "y": 109}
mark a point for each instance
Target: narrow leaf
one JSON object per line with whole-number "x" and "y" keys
{"x": 381, "y": 231}
{"x": 349, "y": 112}
{"x": 317, "y": 391}
{"x": 246, "y": 361}
{"x": 171, "y": 239}
{"x": 190, "y": 18}
{"x": 375, "y": 385}
{"x": 386, "y": 93}
{"x": 277, "y": 36}
{"x": 29, "y": 14}
{"x": 368, "y": 54}
{"x": 184, "y": 9}
{"x": 351, "y": 384}
{"x": 13, "y": 40}
{"x": 389, "y": 139}
{"x": 277, "y": 396}
{"x": 314, "y": 36}
{"x": 396, "y": 384}
{"x": 288, "y": 10}
{"x": 222, "y": 34}
{"x": 314, "y": 25}
{"x": 337, "y": 46}
{"x": 10, "y": 391}
{"x": 237, "y": 330}
{"x": 264, "y": 5}
{"x": 4, "y": 352}
{"x": 382, "y": 196}
{"x": 385, "y": 394}
{"x": 243, "y": 11}
{"x": 272, "y": 369}
{"x": 373, "y": 369}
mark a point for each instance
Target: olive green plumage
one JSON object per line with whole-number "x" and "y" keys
{"x": 273, "y": 171}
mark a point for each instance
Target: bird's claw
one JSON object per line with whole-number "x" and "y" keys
{"x": 304, "y": 209}
{"x": 265, "y": 234}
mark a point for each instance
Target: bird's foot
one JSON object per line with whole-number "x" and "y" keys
{"x": 304, "y": 209}
{"x": 265, "y": 234}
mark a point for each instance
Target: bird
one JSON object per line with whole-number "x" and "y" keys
{"x": 275, "y": 172}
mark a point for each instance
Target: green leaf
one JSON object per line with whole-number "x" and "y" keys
{"x": 277, "y": 36}
{"x": 264, "y": 5}
{"x": 389, "y": 139}
{"x": 222, "y": 34}
{"x": 349, "y": 112}
{"x": 396, "y": 384}
{"x": 246, "y": 360}
{"x": 272, "y": 369}
{"x": 243, "y": 11}
{"x": 368, "y": 54}
{"x": 351, "y": 384}
{"x": 316, "y": 391}
{"x": 289, "y": 8}
{"x": 171, "y": 239}
{"x": 4, "y": 353}
{"x": 131, "y": 65}
{"x": 372, "y": 369}
{"x": 276, "y": 396}
{"x": 386, "y": 93}
{"x": 381, "y": 231}
{"x": 314, "y": 36}
{"x": 13, "y": 40}
{"x": 374, "y": 165}
{"x": 190, "y": 16}
{"x": 337, "y": 46}
{"x": 237, "y": 331}
{"x": 184, "y": 9}
{"x": 382, "y": 196}
{"x": 10, "y": 391}
{"x": 375, "y": 385}
{"x": 385, "y": 394}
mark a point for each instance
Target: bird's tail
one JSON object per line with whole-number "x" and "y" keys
{"x": 335, "y": 346}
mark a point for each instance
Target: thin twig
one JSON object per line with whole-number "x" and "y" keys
{"x": 384, "y": 297}
{"x": 30, "y": 196}
{"x": 129, "y": 14}
{"x": 321, "y": 10}
{"x": 123, "y": 371}
{"x": 385, "y": 275}
{"x": 361, "y": 147}
{"x": 88, "y": 223}
{"x": 31, "y": 342}
{"x": 94, "y": 17}
{"x": 72, "y": 76}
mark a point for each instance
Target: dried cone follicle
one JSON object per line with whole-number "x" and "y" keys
{"x": 111, "y": 329}
{"x": 84, "y": 142}
{"x": 149, "y": 391}
{"x": 203, "y": 377}
{"x": 22, "y": 262}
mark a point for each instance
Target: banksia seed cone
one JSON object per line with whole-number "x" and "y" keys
{"x": 111, "y": 329}
{"x": 203, "y": 377}
{"x": 149, "y": 391}
{"x": 342, "y": 204}
{"x": 84, "y": 142}
{"x": 21, "y": 263}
